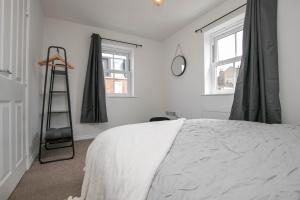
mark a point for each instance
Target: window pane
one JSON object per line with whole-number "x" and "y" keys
{"x": 120, "y": 76}
{"x": 109, "y": 87}
{"x": 121, "y": 57}
{"x": 105, "y": 63}
{"x": 225, "y": 76}
{"x": 117, "y": 72}
{"x": 237, "y": 66}
{"x": 226, "y": 47}
{"x": 107, "y": 60}
{"x": 119, "y": 64}
{"x": 108, "y": 74}
{"x": 118, "y": 87}
{"x": 117, "y": 83}
{"x": 239, "y": 43}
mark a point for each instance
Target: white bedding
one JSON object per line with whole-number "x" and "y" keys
{"x": 121, "y": 162}
{"x": 208, "y": 160}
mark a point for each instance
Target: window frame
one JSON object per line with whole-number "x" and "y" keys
{"x": 129, "y": 65}
{"x": 231, "y": 27}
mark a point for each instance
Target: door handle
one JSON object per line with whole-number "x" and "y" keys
{"x": 5, "y": 71}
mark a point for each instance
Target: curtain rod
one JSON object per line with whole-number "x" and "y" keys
{"x": 203, "y": 27}
{"x": 136, "y": 45}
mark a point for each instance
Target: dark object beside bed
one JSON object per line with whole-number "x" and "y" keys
{"x": 156, "y": 119}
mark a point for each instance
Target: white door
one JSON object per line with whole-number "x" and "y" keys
{"x": 13, "y": 26}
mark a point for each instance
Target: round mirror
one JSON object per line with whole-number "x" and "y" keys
{"x": 178, "y": 65}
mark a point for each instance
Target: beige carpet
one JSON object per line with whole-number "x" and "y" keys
{"x": 53, "y": 181}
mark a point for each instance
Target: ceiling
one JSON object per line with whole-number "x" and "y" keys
{"x": 138, "y": 17}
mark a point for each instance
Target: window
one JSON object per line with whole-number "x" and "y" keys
{"x": 224, "y": 53}
{"x": 117, "y": 67}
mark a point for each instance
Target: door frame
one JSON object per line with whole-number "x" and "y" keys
{"x": 29, "y": 158}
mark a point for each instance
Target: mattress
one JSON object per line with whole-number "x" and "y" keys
{"x": 230, "y": 160}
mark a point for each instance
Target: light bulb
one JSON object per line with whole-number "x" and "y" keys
{"x": 158, "y": 2}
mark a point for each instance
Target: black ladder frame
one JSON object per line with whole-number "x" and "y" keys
{"x": 49, "y": 111}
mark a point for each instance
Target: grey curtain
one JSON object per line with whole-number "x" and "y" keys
{"x": 93, "y": 108}
{"x": 257, "y": 90}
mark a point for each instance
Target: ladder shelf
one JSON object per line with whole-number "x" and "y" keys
{"x": 52, "y": 138}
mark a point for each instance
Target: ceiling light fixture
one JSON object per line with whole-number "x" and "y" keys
{"x": 158, "y": 2}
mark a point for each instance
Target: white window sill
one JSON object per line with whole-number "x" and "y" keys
{"x": 218, "y": 94}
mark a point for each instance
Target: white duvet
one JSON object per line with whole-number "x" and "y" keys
{"x": 121, "y": 162}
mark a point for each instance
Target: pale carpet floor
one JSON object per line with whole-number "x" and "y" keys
{"x": 53, "y": 181}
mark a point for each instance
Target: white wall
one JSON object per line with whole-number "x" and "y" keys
{"x": 184, "y": 94}
{"x": 289, "y": 53}
{"x": 34, "y": 76}
{"x": 148, "y": 75}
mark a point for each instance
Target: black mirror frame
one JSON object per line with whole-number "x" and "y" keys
{"x": 184, "y": 60}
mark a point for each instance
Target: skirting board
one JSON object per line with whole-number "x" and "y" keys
{"x": 32, "y": 157}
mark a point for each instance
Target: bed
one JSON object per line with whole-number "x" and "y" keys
{"x": 201, "y": 159}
